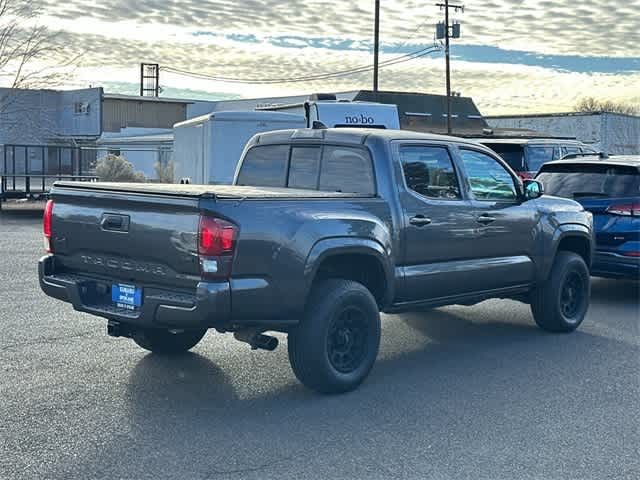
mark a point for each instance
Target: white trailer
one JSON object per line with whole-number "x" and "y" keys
{"x": 206, "y": 149}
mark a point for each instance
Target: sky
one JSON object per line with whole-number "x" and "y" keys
{"x": 513, "y": 57}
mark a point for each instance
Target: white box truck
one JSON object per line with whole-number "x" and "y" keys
{"x": 206, "y": 149}
{"x": 326, "y": 109}
{"x": 333, "y": 113}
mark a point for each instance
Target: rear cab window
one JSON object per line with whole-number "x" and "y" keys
{"x": 590, "y": 180}
{"x": 331, "y": 168}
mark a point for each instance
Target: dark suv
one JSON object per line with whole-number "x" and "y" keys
{"x": 526, "y": 156}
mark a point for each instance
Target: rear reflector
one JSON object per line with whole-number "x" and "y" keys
{"x": 626, "y": 210}
{"x": 46, "y": 225}
{"x": 631, "y": 254}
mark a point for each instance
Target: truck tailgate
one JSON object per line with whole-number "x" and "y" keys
{"x": 137, "y": 238}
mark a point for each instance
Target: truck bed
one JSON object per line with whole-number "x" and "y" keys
{"x": 210, "y": 191}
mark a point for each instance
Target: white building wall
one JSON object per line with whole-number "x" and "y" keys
{"x": 39, "y": 117}
{"x": 621, "y": 134}
{"x": 609, "y": 132}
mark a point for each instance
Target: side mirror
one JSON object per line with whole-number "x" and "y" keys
{"x": 533, "y": 189}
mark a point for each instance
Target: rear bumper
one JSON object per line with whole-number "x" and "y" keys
{"x": 208, "y": 306}
{"x": 612, "y": 265}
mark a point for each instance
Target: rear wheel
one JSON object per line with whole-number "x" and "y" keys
{"x": 561, "y": 303}
{"x": 167, "y": 342}
{"x": 336, "y": 344}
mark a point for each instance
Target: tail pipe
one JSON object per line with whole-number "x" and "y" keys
{"x": 256, "y": 339}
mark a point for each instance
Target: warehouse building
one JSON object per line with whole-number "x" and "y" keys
{"x": 614, "y": 133}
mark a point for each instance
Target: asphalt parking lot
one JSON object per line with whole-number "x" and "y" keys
{"x": 460, "y": 392}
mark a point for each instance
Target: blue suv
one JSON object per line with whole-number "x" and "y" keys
{"x": 610, "y": 189}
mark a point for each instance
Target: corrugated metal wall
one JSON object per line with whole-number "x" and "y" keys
{"x": 119, "y": 113}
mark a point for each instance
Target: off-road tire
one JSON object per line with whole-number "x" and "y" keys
{"x": 551, "y": 312}
{"x": 340, "y": 316}
{"x": 165, "y": 342}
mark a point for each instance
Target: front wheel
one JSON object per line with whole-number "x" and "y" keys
{"x": 561, "y": 303}
{"x": 336, "y": 344}
{"x": 167, "y": 342}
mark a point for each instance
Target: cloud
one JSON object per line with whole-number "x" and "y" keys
{"x": 515, "y": 55}
{"x": 588, "y": 27}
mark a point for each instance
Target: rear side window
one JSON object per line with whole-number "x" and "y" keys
{"x": 539, "y": 155}
{"x": 429, "y": 171}
{"x": 265, "y": 166}
{"x": 590, "y": 181}
{"x": 346, "y": 169}
{"x": 512, "y": 154}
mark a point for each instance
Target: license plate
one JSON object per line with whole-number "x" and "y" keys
{"x": 126, "y": 296}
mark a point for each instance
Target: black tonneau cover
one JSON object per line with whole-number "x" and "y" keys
{"x": 214, "y": 191}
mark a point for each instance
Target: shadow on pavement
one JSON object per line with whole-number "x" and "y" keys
{"x": 466, "y": 382}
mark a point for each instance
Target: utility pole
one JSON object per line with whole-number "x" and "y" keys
{"x": 376, "y": 46}
{"x": 450, "y": 31}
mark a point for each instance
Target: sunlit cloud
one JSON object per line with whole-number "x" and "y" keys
{"x": 524, "y": 55}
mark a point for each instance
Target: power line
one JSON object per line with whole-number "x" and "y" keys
{"x": 323, "y": 76}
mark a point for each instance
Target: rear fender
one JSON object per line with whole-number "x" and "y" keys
{"x": 331, "y": 247}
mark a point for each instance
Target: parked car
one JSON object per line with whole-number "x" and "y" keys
{"x": 610, "y": 189}
{"x": 322, "y": 230}
{"x": 526, "y": 155}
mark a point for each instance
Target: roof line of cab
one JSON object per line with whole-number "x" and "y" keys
{"x": 354, "y": 135}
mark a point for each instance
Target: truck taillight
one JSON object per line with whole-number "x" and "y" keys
{"x": 627, "y": 210}
{"x": 46, "y": 225}
{"x": 216, "y": 244}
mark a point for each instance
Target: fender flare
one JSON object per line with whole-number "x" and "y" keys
{"x": 567, "y": 231}
{"x": 335, "y": 246}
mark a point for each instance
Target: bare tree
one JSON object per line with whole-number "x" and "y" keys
{"x": 31, "y": 56}
{"x": 590, "y": 104}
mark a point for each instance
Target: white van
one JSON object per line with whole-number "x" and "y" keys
{"x": 207, "y": 148}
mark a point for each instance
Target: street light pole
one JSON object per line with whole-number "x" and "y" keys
{"x": 376, "y": 45}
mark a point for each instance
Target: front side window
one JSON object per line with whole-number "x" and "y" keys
{"x": 488, "y": 179}
{"x": 429, "y": 171}
{"x": 265, "y": 166}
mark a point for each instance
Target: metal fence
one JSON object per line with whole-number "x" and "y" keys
{"x": 28, "y": 171}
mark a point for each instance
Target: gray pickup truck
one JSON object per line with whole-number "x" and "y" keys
{"x": 322, "y": 230}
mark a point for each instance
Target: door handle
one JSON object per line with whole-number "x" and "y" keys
{"x": 419, "y": 221}
{"x": 486, "y": 219}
